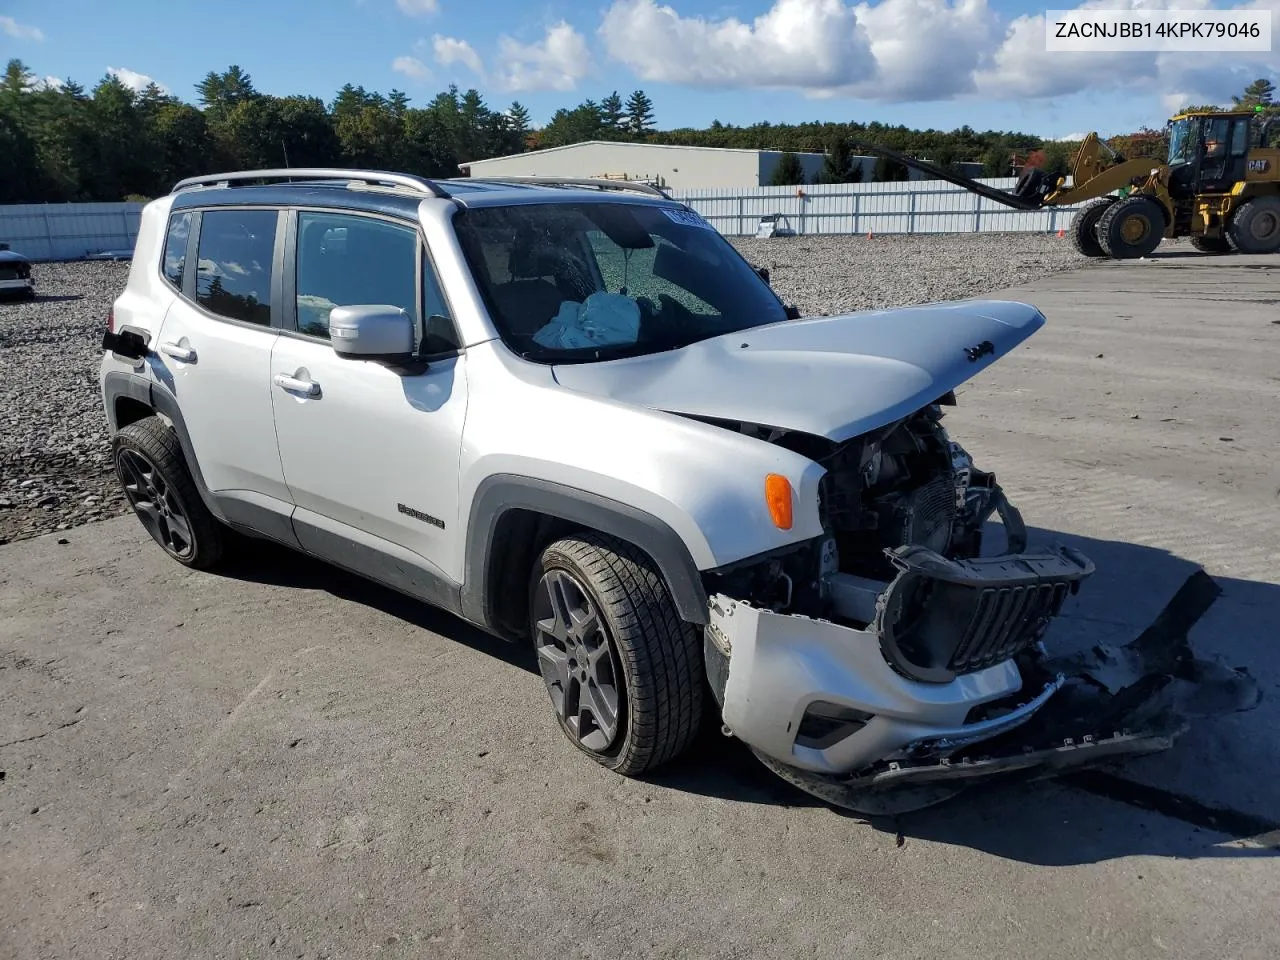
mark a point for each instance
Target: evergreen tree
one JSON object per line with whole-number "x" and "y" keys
{"x": 838, "y": 166}
{"x": 639, "y": 113}
{"x": 788, "y": 171}
{"x": 611, "y": 113}
{"x": 1260, "y": 93}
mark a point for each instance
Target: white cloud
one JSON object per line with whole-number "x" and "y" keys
{"x": 419, "y": 8}
{"x": 809, "y": 44}
{"x": 137, "y": 82}
{"x": 20, "y": 31}
{"x": 451, "y": 50}
{"x": 48, "y": 83}
{"x": 914, "y": 50}
{"x": 557, "y": 62}
{"x": 411, "y": 67}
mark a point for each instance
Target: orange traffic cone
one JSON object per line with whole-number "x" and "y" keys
{"x": 868, "y": 234}
{"x": 1061, "y": 234}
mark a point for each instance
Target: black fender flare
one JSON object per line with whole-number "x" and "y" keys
{"x": 500, "y": 493}
{"x": 117, "y": 384}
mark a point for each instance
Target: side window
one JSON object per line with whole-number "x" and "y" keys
{"x": 345, "y": 259}
{"x": 233, "y": 272}
{"x": 1240, "y": 138}
{"x": 175, "y": 247}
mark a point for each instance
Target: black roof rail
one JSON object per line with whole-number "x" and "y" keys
{"x": 634, "y": 186}
{"x": 371, "y": 177}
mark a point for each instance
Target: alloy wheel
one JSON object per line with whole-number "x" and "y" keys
{"x": 578, "y": 661}
{"x": 153, "y": 500}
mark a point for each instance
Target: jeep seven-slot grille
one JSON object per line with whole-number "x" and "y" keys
{"x": 1005, "y": 621}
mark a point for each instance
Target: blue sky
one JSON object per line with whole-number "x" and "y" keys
{"x": 923, "y": 63}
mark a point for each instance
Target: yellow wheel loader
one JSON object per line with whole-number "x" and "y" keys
{"x": 1219, "y": 185}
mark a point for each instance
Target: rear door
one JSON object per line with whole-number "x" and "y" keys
{"x": 371, "y": 458}
{"x": 214, "y": 352}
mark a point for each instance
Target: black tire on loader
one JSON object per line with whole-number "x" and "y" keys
{"x": 1255, "y": 226}
{"x": 1084, "y": 227}
{"x": 1211, "y": 244}
{"x": 1132, "y": 227}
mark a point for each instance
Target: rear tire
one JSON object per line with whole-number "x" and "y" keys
{"x": 1084, "y": 224}
{"x": 1211, "y": 244}
{"x": 623, "y": 671}
{"x": 1255, "y": 227}
{"x": 158, "y": 486}
{"x": 1132, "y": 227}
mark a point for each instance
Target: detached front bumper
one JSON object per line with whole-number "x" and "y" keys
{"x": 932, "y": 671}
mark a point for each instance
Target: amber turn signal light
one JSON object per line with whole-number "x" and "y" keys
{"x": 777, "y": 494}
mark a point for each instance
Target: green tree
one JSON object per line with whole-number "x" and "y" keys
{"x": 887, "y": 170}
{"x": 838, "y": 165}
{"x": 519, "y": 124}
{"x": 639, "y": 113}
{"x": 788, "y": 171}
{"x": 611, "y": 112}
{"x": 1260, "y": 93}
{"x": 181, "y": 145}
{"x": 219, "y": 92}
{"x": 573, "y": 126}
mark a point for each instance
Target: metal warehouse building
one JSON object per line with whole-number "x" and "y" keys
{"x": 675, "y": 167}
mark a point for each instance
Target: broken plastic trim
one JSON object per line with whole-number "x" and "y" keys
{"x": 941, "y": 618}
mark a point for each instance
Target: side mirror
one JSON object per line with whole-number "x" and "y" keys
{"x": 377, "y": 332}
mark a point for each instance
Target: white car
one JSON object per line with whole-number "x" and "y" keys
{"x": 573, "y": 415}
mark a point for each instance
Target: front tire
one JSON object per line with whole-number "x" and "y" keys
{"x": 1084, "y": 227}
{"x": 154, "y": 477}
{"x": 1131, "y": 228}
{"x": 624, "y": 672}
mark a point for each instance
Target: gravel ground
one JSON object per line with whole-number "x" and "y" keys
{"x": 829, "y": 275}
{"x": 54, "y": 470}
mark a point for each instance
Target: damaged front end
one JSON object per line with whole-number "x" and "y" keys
{"x": 889, "y": 663}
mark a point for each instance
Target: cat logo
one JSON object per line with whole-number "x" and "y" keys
{"x": 1259, "y": 166}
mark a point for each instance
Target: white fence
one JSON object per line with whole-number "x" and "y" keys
{"x": 71, "y": 231}
{"x": 922, "y": 206}
{"x": 68, "y": 231}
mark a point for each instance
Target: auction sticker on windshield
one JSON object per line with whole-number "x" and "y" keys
{"x": 687, "y": 217}
{"x": 1200, "y": 31}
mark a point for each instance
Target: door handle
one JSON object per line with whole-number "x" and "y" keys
{"x": 185, "y": 354}
{"x": 308, "y": 388}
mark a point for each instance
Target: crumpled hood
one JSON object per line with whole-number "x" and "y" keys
{"x": 835, "y": 377}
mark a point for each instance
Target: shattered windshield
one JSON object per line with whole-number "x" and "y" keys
{"x": 1182, "y": 141}
{"x": 599, "y": 280}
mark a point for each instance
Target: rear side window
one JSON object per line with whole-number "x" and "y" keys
{"x": 235, "y": 262}
{"x": 175, "y": 248}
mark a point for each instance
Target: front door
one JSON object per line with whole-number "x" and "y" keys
{"x": 370, "y": 455}
{"x": 214, "y": 355}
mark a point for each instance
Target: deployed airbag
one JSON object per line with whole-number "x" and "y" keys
{"x": 604, "y": 320}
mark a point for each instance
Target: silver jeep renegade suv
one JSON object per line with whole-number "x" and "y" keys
{"x": 571, "y": 413}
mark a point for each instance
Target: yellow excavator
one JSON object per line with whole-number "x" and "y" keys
{"x": 1219, "y": 185}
